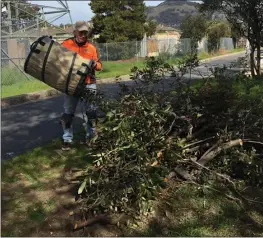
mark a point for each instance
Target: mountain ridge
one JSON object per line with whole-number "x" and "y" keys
{"x": 172, "y": 12}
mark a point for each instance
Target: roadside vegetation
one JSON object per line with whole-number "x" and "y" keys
{"x": 15, "y": 83}
{"x": 187, "y": 162}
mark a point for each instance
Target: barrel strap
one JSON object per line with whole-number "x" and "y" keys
{"x": 70, "y": 72}
{"x": 27, "y": 60}
{"x": 81, "y": 82}
{"x": 33, "y": 49}
{"x": 45, "y": 61}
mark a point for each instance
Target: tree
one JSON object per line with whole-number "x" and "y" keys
{"x": 194, "y": 27}
{"x": 215, "y": 31}
{"x": 246, "y": 16}
{"x": 119, "y": 20}
{"x": 235, "y": 35}
{"x": 150, "y": 27}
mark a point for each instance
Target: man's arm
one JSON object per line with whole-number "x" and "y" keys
{"x": 96, "y": 59}
{"x": 66, "y": 43}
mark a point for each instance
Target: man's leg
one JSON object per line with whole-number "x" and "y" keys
{"x": 70, "y": 104}
{"x": 91, "y": 121}
{"x": 91, "y": 114}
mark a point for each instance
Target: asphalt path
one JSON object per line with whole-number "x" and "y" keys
{"x": 29, "y": 125}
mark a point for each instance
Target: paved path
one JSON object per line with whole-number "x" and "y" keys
{"x": 34, "y": 124}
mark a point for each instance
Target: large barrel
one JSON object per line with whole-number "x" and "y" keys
{"x": 56, "y": 66}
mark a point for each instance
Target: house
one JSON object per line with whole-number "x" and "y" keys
{"x": 164, "y": 40}
{"x": 164, "y": 32}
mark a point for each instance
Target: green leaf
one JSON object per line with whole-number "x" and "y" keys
{"x": 82, "y": 187}
{"x": 110, "y": 114}
{"x": 168, "y": 108}
{"x": 116, "y": 128}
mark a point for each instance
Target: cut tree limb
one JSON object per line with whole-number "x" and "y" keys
{"x": 230, "y": 182}
{"x": 216, "y": 149}
{"x": 102, "y": 219}
{"x": 98, "y": 219}
{"x": 210, "y": 154}
{"x": 183, "y": 173}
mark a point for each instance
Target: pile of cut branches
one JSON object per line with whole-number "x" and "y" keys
{"x": 195, "y": 132}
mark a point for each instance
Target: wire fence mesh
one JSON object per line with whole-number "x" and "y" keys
{"x": 15, "y": 50}
{"x": 13, "y": 55}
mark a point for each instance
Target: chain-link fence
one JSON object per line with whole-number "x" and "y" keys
{"x": 14, "y": 52}
{"x": 136, "y": 50}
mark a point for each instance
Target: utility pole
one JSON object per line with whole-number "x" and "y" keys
{"x": 69, "y": 15}
{"x": 17, "y": 16}
{"x": 9, "y": 17}
{"x": 17, "y": 10}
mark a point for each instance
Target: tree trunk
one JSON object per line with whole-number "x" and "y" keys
{"x": 235, "y": 42}
{"x": 258, "y": 68}
{"x": 252, "y": 60}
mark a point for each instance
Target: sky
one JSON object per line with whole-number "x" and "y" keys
{"x": 80, "y": 10}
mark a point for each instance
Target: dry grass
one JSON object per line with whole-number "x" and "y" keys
{"x": 38, "y": 200}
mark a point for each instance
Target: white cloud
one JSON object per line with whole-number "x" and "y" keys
{"x": 152, "y": 3}
{"x": 80, "y": 10}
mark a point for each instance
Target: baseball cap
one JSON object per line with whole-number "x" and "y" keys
{"x": 82, "y": 26}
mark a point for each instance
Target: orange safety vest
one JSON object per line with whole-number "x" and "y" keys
{"x": 87, "y": 51}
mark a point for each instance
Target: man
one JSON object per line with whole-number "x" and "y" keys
{"x": 80, "y": 44}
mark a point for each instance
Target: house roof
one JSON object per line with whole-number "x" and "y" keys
{"x": 45, "y": 31}
{"x": 165, "y": 28}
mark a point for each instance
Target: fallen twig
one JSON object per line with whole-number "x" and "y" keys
{"x": 218, "y": 174}
{"x": 103, "y": 219}
{"x": 197, "y": 133}
{"x": 193, "y": 149}
{"x": 198, "y": 142}
{"x": 98, "y": 219}
{"x": 252, "y": 142}
{"x": 172, "y": 124}
{"x": 216, "y": 190}
{"x": 229, "y": 181}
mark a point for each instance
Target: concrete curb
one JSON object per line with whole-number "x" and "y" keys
{"x": 220, "y": 57}
{"x": 44, "y": 94}
{"x": 30, "y": 97}
{"x": 113, "y": 80}
{"x": 23, "y": 98}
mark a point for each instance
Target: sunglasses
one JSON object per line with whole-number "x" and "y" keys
{"x": 83, "y": 33}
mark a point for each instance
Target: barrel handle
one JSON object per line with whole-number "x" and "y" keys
{"x": 34, "y": 44}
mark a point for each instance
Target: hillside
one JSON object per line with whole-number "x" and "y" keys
{"x": 171, "y": 12}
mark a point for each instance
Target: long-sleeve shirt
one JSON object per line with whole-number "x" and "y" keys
{"x": 87, "y": 51}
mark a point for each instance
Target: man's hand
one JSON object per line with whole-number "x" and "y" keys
{"x": 93, "y": 64}
{"x": 90, "y": 89}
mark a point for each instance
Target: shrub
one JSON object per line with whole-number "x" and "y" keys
{"x": 150, "y": 131}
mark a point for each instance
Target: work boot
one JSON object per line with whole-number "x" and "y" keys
{"x": 90, "y": 130}
{"x": 67, "y": 139}
{"x": 66, "y": 146}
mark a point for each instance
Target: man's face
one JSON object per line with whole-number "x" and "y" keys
{"x": 81, "y": 36}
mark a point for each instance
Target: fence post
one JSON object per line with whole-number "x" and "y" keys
{"x": 146, "y": 44}
{"x": 107, "y": 52}
{"x": 137, "y": 51}
{"x": 9, "y": 17}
